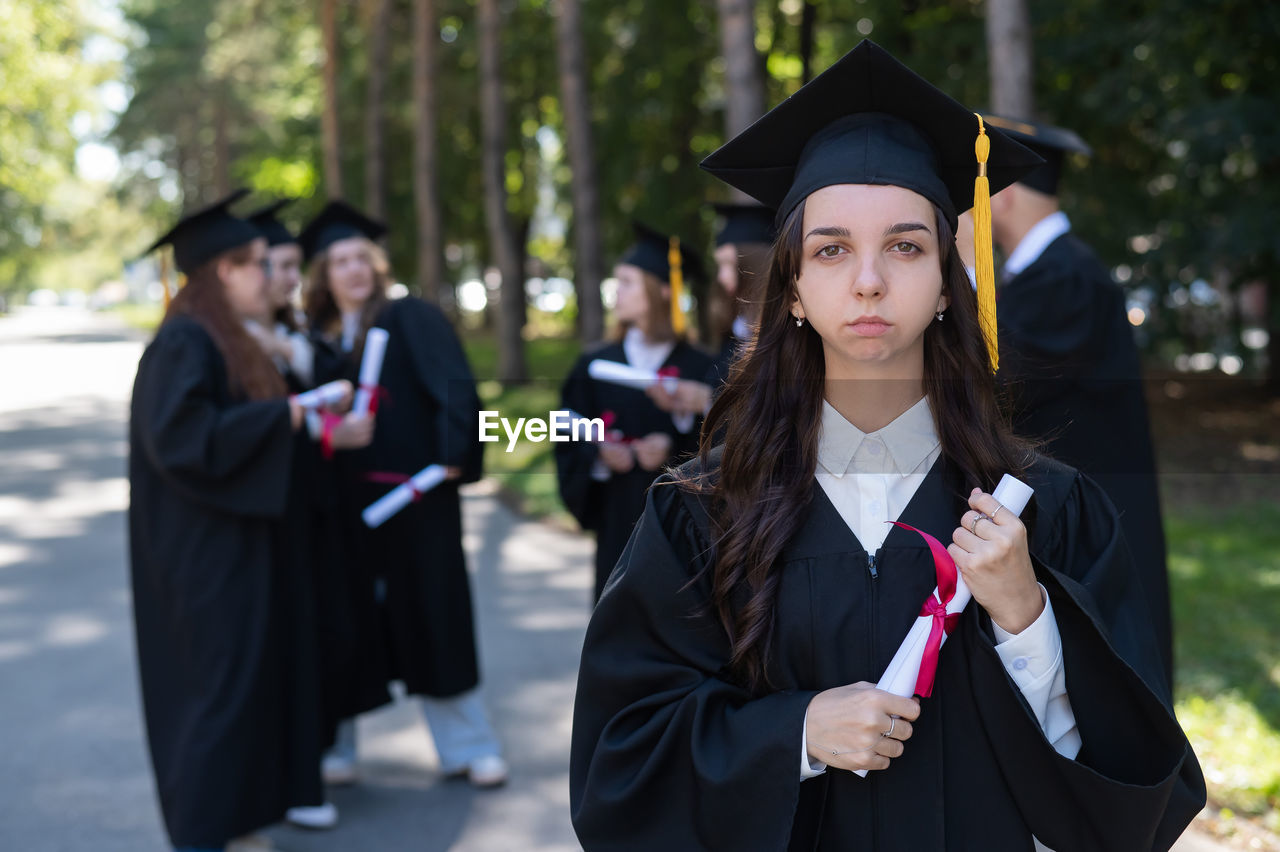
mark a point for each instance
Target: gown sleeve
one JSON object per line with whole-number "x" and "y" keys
{"x": 230, "y": 457}
{"x": 667, "y": 753}
{"x": 575, "y": 460}
{"x": 1135, "y": 783}
{"x": 441, "y": 368}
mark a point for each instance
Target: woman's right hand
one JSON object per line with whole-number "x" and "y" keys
{"x": 353, "y": 432}
{"x": 864, "y": 726}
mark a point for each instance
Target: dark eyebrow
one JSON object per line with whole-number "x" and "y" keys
{"x": 828, "y": 231}
{"x": 904, "y": 227}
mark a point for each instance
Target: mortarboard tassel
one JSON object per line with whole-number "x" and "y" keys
{"x": 677, "y": 286}
{"x": 164, "y": 279}
{"x": 982, "y": 248}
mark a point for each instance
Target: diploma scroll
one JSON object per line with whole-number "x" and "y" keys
{"x": 377, "y": 513}
{"x": 375, "y": 347}
{"x": 326, "y": 394}
{"x": 904, "y": 669}
{"x": 628, "y": 376}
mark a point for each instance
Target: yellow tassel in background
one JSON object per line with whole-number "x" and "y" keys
{"x": 982, "y": 248}
{"x": 164, "y": 278}
{"x": 677, "y": 286}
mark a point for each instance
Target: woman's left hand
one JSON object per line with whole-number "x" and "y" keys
{"x": 990, "y": 551}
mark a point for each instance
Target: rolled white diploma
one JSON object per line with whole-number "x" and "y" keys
{"x": 628, "y": 376}
{"x": 377, "y": 513}
{"x": 326, "y": 394}
{"x": 375, "y": 347}
{"x": 900, "y": 677}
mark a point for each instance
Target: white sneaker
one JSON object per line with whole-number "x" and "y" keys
{"x": 488, "y": 771}
{"x": 338, "y": 770}
{"x": 315, "y": 817}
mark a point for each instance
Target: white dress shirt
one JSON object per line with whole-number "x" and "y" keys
{"x": 870, "y": 478}
{"x": 1032, "y": 245}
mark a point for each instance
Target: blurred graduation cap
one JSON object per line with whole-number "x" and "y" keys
{"x": 202, "y": 235}
{"x": 745, "y": 223}
{"x": 337, "y": 221}
{"x": 869, "y": 119}
{"x": 264, "y": 219}
{"x": 668, "y": 260}
{"x": 1051, "y": 143}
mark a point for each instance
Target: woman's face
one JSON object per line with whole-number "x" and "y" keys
{"x": 727, "y": 267}
{"x": 870, "y": 278}
{"x": 246, "y": 283}
{"x": 286, "y": 273}
{"x": 632, "y": 302}
{"x": 351, "y": 274}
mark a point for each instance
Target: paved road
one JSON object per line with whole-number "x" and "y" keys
{"x": 76, "y": 775}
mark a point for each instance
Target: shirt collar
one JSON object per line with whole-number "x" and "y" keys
{"x": 644, "y": 353}
{"x": 1035, "y": 242}
{"x": 909, "y": 440}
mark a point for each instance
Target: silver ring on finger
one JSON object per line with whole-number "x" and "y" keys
{"x": 893, "y": 722}
{"x": 996, "y": 513}
{"x": 973, "y": 528}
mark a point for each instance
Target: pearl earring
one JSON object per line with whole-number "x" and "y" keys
{"x": 799, "y": 321}
{"x": 939, "y": 316}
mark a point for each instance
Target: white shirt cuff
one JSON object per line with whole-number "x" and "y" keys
{"x": 808, "y": 769}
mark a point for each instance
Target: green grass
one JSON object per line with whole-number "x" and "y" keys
{"x": 1224, "y": 571}
{"x": 528, "y": 472}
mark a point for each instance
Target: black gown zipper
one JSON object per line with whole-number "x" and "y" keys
{"x": 871, "y": 566}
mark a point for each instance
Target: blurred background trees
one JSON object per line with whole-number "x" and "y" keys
{"x": 606, "y": 110}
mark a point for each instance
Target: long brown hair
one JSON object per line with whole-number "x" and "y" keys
{"x": 204, "y": 298}
{"x": 322, "y": 311}
{"x": 770, "y": 413}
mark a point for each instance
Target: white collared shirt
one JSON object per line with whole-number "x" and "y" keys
{"x": 350, "y": 328}
{"x": 870, "y": 478}
{"x": 1032, "y": 245}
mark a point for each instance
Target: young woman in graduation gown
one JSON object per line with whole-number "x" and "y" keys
{"x": 741, "y": 256}
{"x": 228, "y": 683}
{"x": 727, "y": 679}
{"x": 280, "y": 330}
{"x": 603, "y": 484}
{"x": 410, "y": 594}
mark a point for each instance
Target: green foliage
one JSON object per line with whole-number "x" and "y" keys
{"x": 1224, "y": 572}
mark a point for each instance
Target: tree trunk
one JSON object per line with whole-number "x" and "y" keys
{"x": 743, "y": 81}
{"x": 502, "y": 240}
{"x": 743, "y": 76}
{"x": 587, "y": 239}
{"x": 329, "y": 120}
{"x": 426, "y": 194}
{"x": 1009, "y": 58}
{"x": 1273, "y": 331}
{"x": 375, "y": 160}
{"x": 221, "y": 146}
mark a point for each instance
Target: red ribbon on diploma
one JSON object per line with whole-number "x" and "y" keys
{"x": 943, "y": 622}
{"x": 394, "y": 479}
{"x": 377, "y": 393}
{"x": 328, "y": 421}
{"x": 669, "y": 372}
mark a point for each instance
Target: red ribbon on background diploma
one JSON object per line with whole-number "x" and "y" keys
{"x": 377, "y": 393}
{"x": 393, "y": 478}
{"x": 943, "y": 623}
{"x": 669, "y": 372}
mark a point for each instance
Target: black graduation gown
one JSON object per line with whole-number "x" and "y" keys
{"x": 669, "y": 753}
{"x": 1068, "y": 357}
{"x": 217, "y": 611}
{"x": 610, "y": 508}
{"x": 422, "y": 633}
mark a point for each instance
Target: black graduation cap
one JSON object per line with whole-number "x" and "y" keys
{"x": 745, "y": 223}
{"x": 272, "y": 228}
{"x": 337, "y": 221}
{"x": 868, "y": 119}
{"x": 1051, "y": 143}
{"x": 200, "y": 236}
{"x": 652, "y": 253}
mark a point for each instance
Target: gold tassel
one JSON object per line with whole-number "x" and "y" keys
{"x": 164, "y": 278}
{"x": 982, "y": 248}
{"x": 677, "y": 286}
